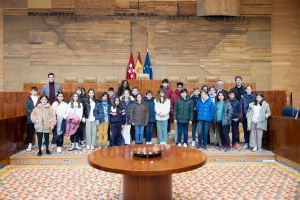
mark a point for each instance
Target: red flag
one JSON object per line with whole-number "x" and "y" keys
{"x": 130, "y": 73}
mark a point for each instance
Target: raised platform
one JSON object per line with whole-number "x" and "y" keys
{"x": 79, "y": 157}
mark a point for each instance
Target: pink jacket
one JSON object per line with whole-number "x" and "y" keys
{"x": 73, "y": 122}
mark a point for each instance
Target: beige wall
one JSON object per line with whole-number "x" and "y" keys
{"x": 100, "y": 47}
{"x": 286, "y": 47}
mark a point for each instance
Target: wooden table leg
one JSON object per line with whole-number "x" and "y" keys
{"x": 147, "y": 187}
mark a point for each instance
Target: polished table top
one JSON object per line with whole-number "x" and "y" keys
{"x": 121, "y": 160}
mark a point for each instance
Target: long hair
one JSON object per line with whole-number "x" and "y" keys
{"x": 158, "y": 99}
{"x": 221, "y": 92}
{"x": 57, "y": 96}
{"x": 256, "y": 102}
{"x": 113, "y": 103}
{"x": 72, "y": 100}
{"x": 88, "y": 97}
{"x": 39, "y": 100}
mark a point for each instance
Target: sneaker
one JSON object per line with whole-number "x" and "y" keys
{"x": 234, "y": 147}
{"x": 227, "y": 149}
{"x": 43, "y": 147}
{"x": 260, "y": 150}
{"x": 88, "y": 147}
{"x": 184, "y": 144}
{"x": 92, "y": 147}
{"x": 58, "y": 150}
{"x": 82, "y": 143}
{"x": 39, "y": 153}
{"x": 150, "y": 142}
{"x": 72, "y": 147}
{"x": 254, "y": 149}
{"x": 48, "y": 152}
{"x": 193, "y": 143}
{"x": 204, "y": 147}
{"x": 29, "y": 148}
{"x": 179, "y": 144}
{"x": 77, "y": 146}
{"x": 246, "y": 146}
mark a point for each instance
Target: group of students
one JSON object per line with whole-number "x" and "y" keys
{"x": 126, "y": 116}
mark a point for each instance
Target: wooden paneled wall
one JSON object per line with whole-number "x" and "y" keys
{"x": 1, "y": 52}
{"x": 286, "y": 47}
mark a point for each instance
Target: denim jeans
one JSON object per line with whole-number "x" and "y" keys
{"x": 203, "y": 127}
{"x": 245, "y": 128}
{"x": 182, "y": 129}
{"x": 148, "y": 131}
{"x": 139, "y": 134}
{"x": 162, "y": 131}
{"x": 194, "y": 129}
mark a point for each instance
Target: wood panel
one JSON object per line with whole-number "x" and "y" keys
{"x": 12, "y": 104}
{"x": 1, "y": 52}
{"x": 285, "y": 138}
{"x": 13, "y": 136}
{"x": 285, "y": 47}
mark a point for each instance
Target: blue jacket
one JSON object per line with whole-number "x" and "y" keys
{"x": 118, "y": 115}
{"x": 195, "y": 99}
{"x": 127, "y": 108}
{"x": 99, "y": 111}
{"x": 151, "y": 110}
{"x": 205, "y": 110}
{"x": 237, "y": 108}
{"x": 245, "y": 101}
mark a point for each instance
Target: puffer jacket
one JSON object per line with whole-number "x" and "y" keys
{"x": 205, "y": 110}
{"x": 151, "y": 108}
{"x": 183, "y": 110}
{"x": 245, "y": 101}
{"x": 127, "y": 106}
{"x": 226, "y": 113}
{"x": 195, "y": 99}
{"x": 99, "y": 111}
{"x": 265, "y": 113}
{"x": 43, "y": 118}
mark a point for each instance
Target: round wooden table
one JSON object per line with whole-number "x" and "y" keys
{"x": 147, "y": 178}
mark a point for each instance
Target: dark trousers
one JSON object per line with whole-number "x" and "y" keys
{"x": 224, "y": 134}
{"x": 169, "y": 126}
{"x": 30, "y": 132}
{"x": 57, "y": 139}
{"x": 182, "y": 129}
{"x": 245, "y": 128}
{"x": 194, "y": 129}
{"x": 116, "y": 136}
{"x": 148, "y": 131}
{"x": 234, "y": 129}
{"x": 203, "y": 128}
{"x": 40, "y": 140}
{"x": 81, "y": 129}
{"x": 132, "y": 133}
{"x": 75, "y": 137}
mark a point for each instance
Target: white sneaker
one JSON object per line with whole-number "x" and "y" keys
{"x": 88, "y": 147}
{"x": 193, "y": 143}
{"x": 43, "y": 147}
{"x": 72, "y": 147}
{"x": 29, "y": 148}
{"x": 77, "y": 146}
{"x": 260, "y": 150}
{"x": 150, "y": 142}
{"x": 254, "y": 149}
{"x": 92, "y": 147}
{"x": 58, "y": 150}
{"x": 179, "y": 144}
{"x": 184, "y": 144}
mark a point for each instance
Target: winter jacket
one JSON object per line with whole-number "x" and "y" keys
{"x": 43, "y": 118}
{"x": 139, "y": 114}
{"x": 29, "y": 106}
{"x": 237, "y": 108}
{"x": 163, "y": 109}
{"x": 245, "y": 101}
{"x": 264, "y": 114}
{"x": 174, "y": 97}
{"x": 238, "y": 92}
{"x": 194, "y": 100}
{"x": 99, "y": 111}
{"x": 205, "y": 110}
{"x": 151, "y": 108}
{"x": 117, "y": 115}
{"x": 127, "y": 106}
{"x": 226, "y": 113}
{"x": 87, "y": 109}
{"x": 183, "y": 110}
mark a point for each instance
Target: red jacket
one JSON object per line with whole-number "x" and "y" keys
{"x": 168, "y": 91}
{"x": 174, "y": 97}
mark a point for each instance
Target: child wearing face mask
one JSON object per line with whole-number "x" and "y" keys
{"x": 257, "y": 118}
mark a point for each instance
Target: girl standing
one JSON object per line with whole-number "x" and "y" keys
{"x": 124, "y": 86}
{"x": 60, "y": 108}
{"x": 151, "y": 110}
{"x": 194, "y": 98}
{"x": 139, "y": 117}
{"x": 73, "y": 117}
{"x": 43, "y": 117}
{"x": 101, "y": 114}
{"x": 90, "y": 120}
{"x": 127, "y": 103}
{"x": 117, "y": 121}
{"x": 257, "y": 117}
{"x": 162, "y": 115}
{"x": 223, "y": 116}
